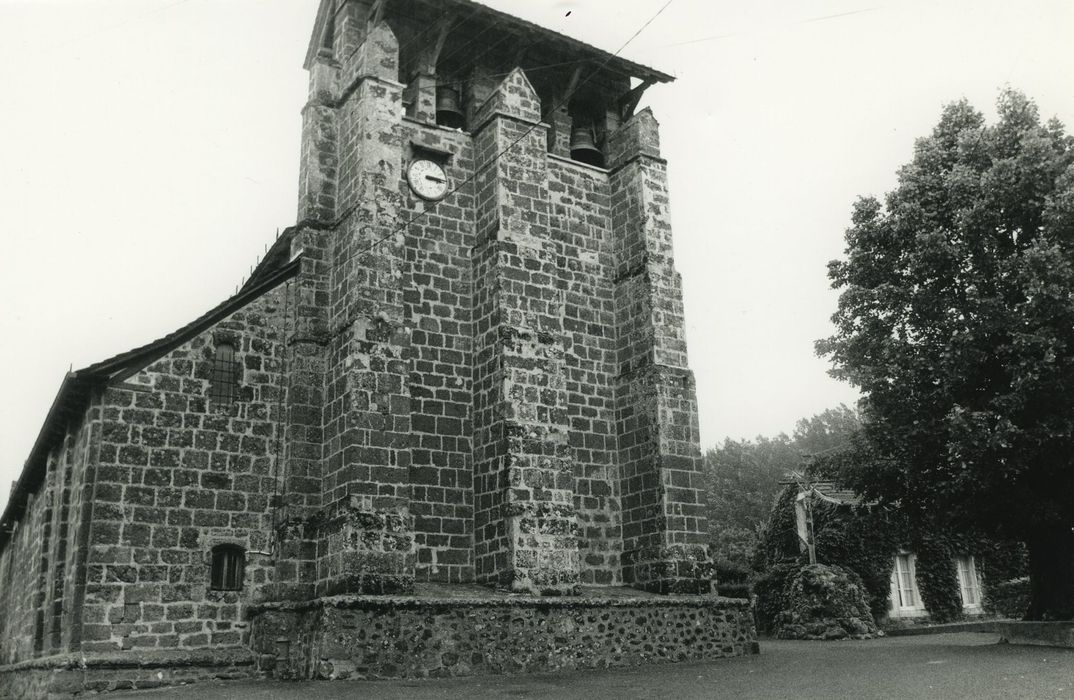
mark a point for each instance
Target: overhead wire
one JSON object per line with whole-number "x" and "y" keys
{"x": 478, "y": 171}
{"x": 426, "y": 211}
{"x": 592, "y": 74}
{"x": 429, "y": 26}
{"x": 278, "y": 467}
{"x": 457, "y": 50}
{"x": 527, "y": 69}
{"x": 121, "y": 23}
{"x": 729, "y": 35}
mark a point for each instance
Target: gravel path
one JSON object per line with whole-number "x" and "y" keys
{"x": 965, "y": 665}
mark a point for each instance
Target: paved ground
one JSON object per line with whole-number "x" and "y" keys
{"x": 947, "y": 666}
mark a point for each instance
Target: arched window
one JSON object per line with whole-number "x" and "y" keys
{"x": 228, "y": 567}
{"x": 224, "y": 382}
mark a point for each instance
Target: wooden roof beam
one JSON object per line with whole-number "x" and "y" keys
{"x": 563, "y": 99}
{"x": 376, "y": 12}
{"x": 629, "y": 102}
{"x": 430, "y": 57}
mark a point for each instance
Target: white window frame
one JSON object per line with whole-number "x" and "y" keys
{"x": 905, "y": 563}
{"x": 969, "y": 583}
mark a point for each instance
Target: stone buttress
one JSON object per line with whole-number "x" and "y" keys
{"x": 664, "y": 524}
{"x": 526, "y": 532}
{"x": 354, "y": 534}
{"x": 364, "y": 528}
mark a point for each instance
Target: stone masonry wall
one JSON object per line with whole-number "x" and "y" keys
{"x": 492, "y": 387}
{"x": 659, "y": 454}
{"x": 75, "y": 675}
{"x": 40, "y": 565}
{"x": 178, "y": 474}
{"x": 20, "y": 565}
{"x": 61, "y": 609}
{"x": 438, "y": 286}
{"x": 580, "y": 198}
{"x": 365, "y": 534}
{"x": 298, "y": 479}
{"x": 528, "y": 480}
{"x": 539, "y": 345}
{"x": 371, "y": 638}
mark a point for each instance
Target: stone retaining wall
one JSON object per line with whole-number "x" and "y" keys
{"x": 1045, "y": 634}
{"x": 362, "y": 637}
{"x": 70, "y": 675}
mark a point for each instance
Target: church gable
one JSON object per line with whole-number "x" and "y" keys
{"x": 190, "y": 447}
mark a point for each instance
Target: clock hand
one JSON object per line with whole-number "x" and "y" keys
{"x": 435, "y": 179}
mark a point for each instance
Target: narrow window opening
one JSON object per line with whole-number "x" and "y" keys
{"x": 904, "y": 595}
{"x": 967, "y": 582}
{"x": 228, "y": 568}
{"x": 224, "y": 383}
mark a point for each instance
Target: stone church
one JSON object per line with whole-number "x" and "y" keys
{"x": 447, "y": 426}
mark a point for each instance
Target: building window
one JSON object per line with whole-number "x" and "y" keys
{"x": 904, "y": 595}
{"x": 228, "y": 567}
{"x": 967, "y": 582}
{"x": 224, "y": 382}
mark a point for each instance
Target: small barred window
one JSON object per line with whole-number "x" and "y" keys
{"x": 228, "y": 568}
{"x": 224, "y": 383}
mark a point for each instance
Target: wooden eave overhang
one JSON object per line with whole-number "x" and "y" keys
{"x": 539, "y": 34}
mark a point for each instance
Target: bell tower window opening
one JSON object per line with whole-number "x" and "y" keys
{"x": 228, "y": 568}
{"x": 449, "y": 112}
{"x": 587, "y": 127}
{"x": 224, "y": 380}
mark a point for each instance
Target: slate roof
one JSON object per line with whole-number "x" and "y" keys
{"x": 510, "y": 22}
{"x": 833, "y": 493}
{"x": 829, "y": 491}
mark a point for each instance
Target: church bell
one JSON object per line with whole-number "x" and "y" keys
{"x": 447, "y": 108}
{"x": 584, "y": 147}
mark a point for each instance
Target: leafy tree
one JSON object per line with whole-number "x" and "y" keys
{"x": 956, "y": 320}
{"x": 826, "y": 431}
{"x": 743, "y": 478}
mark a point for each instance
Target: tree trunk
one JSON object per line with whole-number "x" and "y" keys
{"x": 1051, "y": 574}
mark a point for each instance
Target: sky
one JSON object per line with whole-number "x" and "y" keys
{"x": 149, "y": 153}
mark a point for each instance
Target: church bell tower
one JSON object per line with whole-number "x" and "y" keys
{"x": 490, "y": 381}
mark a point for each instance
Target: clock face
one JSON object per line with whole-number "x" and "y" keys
{"x": 427, "y": 179}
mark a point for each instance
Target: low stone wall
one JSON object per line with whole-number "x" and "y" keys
{"x": 417, "y": 637}
{"x": 71, "y": 675}
{"x": 365, "y": 637}
{"x": 1045, "y": 634}
{"x": 982, "y": 625}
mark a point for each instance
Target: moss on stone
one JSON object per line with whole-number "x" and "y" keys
{"x": 825, "y": 602}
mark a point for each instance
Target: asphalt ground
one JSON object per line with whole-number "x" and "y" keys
{"x": 961, "y": 665}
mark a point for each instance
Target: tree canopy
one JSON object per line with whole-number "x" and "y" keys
{"x": 956, "y": 320}
{"x": 827, "y": 431}
{"x": 743, "y": 477}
